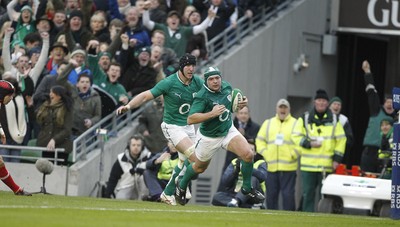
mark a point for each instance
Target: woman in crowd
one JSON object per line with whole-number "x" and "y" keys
{"x": 55, "y": 117}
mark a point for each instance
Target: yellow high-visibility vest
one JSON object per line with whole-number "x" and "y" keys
{"x": 274, "y": 143}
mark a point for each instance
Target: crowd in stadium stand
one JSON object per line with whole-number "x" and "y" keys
{"x": 123, "y": 47}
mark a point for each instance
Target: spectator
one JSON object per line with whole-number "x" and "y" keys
{"x": 98, "y": 27}
{"x": 185, "y": 16}
{"x": 42, "y": 91}
{"x": 87, "y": 103}
{"x": 149, "y": 125}
{"x": 79, "y": 56}
{"x": 41, "y": 95}
{"x": 168, "y": 56}
{"x": 176, "y": 36}
{"x": 58, "y": 51}
{"x": 13, "y": 121}
{"x": 230, "y": 194}
{"x": 222, "y": 9}
{"x": 126, "y": 179}
{"x": 156, "y": 13}
{"x": 55, "y": 117}
{"x": 107, "y": 81}
{"x": 24, "y": 20}
{"x": 44, "y": 24}
{"x": 159, "y": 170}
{"x": 372, "y": 139}
{"x": 139, "y": 73}
{"x": 156, "y": 62}
{"x": 197, "y": 44}
{"x": 275, "y": 145}
{"x": 335, "y": 105}
{"x": 246, "y": 127}
{"x": 114, "y": 28}
{"x": 32, "y": 40}
{"x": 22, "y": 70}
{"x": 323, "y": 143}
{"x": 59, "y": 20}
{"x": 385, "y": 150}
{"x": 75, "y": 31}
{"x": 104, "y": 60}
{"x": 135, "y": 30}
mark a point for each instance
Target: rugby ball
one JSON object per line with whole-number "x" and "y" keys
{"x": 237, "y": 96}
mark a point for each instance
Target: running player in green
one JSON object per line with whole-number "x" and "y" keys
{"x": 178, "y": 90}
{"x": 212, "y": 108}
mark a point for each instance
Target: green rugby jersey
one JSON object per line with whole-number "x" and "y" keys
{"x": 178, "y": 97}
{"x": 204, "y": 102}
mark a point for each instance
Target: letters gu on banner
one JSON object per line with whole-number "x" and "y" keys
{"x": 369, "y": 16}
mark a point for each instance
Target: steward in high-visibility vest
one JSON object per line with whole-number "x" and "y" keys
{"x": 274, "y": 143}
{"x": 159, "y": 171}
{"x": 325, "y": 131}
{"x": 323, "y": 143}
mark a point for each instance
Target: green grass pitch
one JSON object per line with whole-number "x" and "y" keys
{"x": 51, "y": 210}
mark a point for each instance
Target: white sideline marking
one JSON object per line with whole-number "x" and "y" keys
{"x": 178, "y": 211}
{"x": 125, "y": 209}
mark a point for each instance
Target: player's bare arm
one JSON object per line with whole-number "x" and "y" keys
{"x": 137, "y": 101}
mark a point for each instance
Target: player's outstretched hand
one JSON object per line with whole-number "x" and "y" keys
{"x": 121, "y": 110}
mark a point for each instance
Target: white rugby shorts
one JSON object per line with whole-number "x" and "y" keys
{"x": 175, "y": 133}
{"x": 207, "y": 147}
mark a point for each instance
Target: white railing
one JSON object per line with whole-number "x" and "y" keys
{"x": 31, "y": 148}
{"x": 89, "y": 141}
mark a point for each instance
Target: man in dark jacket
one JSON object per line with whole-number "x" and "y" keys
{"x": 372, "y": 138}
{"x": 139, "y": 75}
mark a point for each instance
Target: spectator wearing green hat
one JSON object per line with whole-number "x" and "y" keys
{"x": 25, "y": 19}
{"x": 335, "y": 104}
